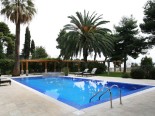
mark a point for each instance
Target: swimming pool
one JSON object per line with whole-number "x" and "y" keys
{"x": 77, "y": 92}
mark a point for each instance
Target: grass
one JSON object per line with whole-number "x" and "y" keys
{"x": 111, "y": 74}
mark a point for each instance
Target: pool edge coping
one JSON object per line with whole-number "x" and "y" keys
{"x": 52, "y": 100}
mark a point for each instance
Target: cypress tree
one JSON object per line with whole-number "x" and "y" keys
{"x": 26, "y": 50}
{"x": 32, "y": 46}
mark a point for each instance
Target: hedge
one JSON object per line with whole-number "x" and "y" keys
{"x": 6, "y": 66}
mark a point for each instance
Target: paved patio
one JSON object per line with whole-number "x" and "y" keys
{"x": 18, "y": 100}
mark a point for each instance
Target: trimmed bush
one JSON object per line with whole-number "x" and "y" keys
{"x": 146, "y": 65}
{"x": 137, "y": 73}
{"x": 125, "y": 75}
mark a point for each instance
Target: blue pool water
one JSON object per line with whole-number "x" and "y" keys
{"x": 76, "y": 91}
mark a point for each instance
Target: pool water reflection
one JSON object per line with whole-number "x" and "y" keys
{"x": 76, "y": 91}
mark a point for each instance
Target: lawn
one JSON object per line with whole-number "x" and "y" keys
{"x": 111, "y": 74}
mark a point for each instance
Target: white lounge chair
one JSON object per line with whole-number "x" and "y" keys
{"x": 91, "y": 73}
{"x": 80, "y": 73}
{"x": 4, "y": 80}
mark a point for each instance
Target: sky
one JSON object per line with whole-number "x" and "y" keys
{"x": 52, "y": 15}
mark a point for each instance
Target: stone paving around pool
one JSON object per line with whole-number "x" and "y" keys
{"x": 18, "y": 100}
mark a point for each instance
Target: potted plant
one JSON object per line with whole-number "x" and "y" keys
{"x": 65, "y": 71}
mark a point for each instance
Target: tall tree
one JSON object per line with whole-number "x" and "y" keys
{"x": 26, "y": 49}
{"x": 1, "y": 47}
{"x": 85, "y": 34}
{"x": 148, "y": 26}
{"x": 4, "y": 28}
{"x": 127, "y": 42}
{"x": 10, "y": 46}
{"x": 32, "y": 47}
{"x": 19, "y": 12}
{"x": 7, "y": 41}
{"x": 40, "y": 52}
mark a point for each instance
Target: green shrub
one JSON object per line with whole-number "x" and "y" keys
{"x": 6, "y": 66}
{"x": 125, "y": 75}
{"x": 137, "y": 73}
{"x": 152, "y": 73}
{"x": 146, "y": 65}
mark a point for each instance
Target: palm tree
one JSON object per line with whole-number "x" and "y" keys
{"x": 85, "y": 35}
{"x": 19, "y": 12}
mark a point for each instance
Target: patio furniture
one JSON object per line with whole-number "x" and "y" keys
{"x": 91, "y": 73}
{"x": 80, "y": 73}
{"x": 5, "y": 80}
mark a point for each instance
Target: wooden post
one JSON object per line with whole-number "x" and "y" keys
{"x": 54, "y": 66}
{"x": 78, "y": 66}
{"x": 27, "y": 70}
{"x": 67, "y": 66}
{"x": 114, "y": 66}
{"x": 120, "y": 69}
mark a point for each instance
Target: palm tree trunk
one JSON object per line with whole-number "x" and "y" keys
{"x": 85, "y": 54}
{"x": 16, "y": 69}
{"x": 95, "y": 56}
{"x": 105, "y": 60}
{"x": 125, "y": 58}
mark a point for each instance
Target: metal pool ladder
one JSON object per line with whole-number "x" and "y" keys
{"x": 110, "y": 93}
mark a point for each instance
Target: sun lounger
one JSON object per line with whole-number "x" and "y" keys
{"x": 80, "y": 73}
{"x": 5, "y": 80}
{"x": 91, "y": 73}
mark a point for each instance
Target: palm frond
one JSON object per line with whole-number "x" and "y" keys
{"x": 80, "y": 17}
{"x": 22, "y": 10}
{"x": 75, "y": 21}
{"x": 101, "y": 23}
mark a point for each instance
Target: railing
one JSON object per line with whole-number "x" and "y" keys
{"x": 120, "y": 92}
{"x": 97, "y": 93}
{"x": 110, "y": 93}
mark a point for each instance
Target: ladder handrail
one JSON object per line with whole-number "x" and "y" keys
{"x": 96, "y": 94}
{"x": 120, "y": 92}
{"x": 108, "y": 90}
